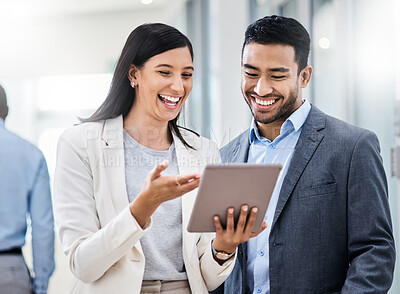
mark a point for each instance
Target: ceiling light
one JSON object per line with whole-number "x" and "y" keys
{"x": 146, "y": 2}
{"x": 324, "y": 43}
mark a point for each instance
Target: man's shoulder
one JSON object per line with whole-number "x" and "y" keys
{"x": 232, "y": 144}
{"x": 227, "y": 150}
{"x": 19, "y": 144}
{"x": 336, "y": 127}
{"x": 199, "y": 143}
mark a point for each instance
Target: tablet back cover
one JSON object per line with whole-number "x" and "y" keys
{"x": 232, "y": 185}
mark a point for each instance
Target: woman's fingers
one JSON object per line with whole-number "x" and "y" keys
{"x": 188, "y": 186}
{"x": 184, "y": 179}
{"x": 156, "y": 171}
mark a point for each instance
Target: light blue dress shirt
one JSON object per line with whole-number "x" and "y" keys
{"x": 25, "y": 191}
{"x": 279, "y": 151}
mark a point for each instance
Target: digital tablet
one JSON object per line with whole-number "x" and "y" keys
{"x": 232, "y": 185}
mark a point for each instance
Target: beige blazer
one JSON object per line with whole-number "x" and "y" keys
{"x": 91, "y": 207}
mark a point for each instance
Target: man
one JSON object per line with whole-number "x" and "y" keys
{"x": 24, "y": 191}
{"x": 329, "y": 226}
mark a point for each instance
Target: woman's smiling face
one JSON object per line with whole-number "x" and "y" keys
{"x": 163, "y": 84}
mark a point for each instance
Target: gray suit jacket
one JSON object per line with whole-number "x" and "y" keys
{"x": 332, "y": 229}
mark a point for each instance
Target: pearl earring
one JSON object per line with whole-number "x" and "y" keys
{"x": 133, "y": 84}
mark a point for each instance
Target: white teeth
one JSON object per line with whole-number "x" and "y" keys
{"x": 170, "y": 98}
{"x": 264, "y": 102}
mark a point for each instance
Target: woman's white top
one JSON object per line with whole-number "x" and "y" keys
{"x": 162, "y": 244}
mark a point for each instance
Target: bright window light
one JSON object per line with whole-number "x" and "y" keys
{"x": 324, "y": 43}
{"x": 48, "y": 144}
{"x": 72, "y": 92}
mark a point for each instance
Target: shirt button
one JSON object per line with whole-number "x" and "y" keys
{"x": 262, "y": 252}
{"x": 259, "y": 290}
{"x": 272, "y": 146}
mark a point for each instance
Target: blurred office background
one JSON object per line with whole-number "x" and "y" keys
{"x": 57, "y": 59}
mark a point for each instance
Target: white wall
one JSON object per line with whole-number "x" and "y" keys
{"x": 229, "y": 112}
{"x": 62, "y": 44}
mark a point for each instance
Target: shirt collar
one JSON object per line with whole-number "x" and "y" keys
{"x": 1, "y": 122}
{"x": 294, "y": 122}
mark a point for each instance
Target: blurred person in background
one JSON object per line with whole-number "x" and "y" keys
{"x": 120, "y": 174}
{"x": 24, "y": 193}
{"x": 329, "y": 224}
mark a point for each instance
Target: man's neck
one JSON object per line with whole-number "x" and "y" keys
{"x": 270, "y": 130}
{"x": 273, "y": 129}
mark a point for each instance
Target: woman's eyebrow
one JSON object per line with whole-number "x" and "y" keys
{"x": 170, "y": 66}
{"x": 164, "y": 65}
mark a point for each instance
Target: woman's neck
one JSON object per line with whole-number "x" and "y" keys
{"x": 148, "y": 132}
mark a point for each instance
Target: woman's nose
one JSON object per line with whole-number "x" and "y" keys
{"x": 177, "y": 85}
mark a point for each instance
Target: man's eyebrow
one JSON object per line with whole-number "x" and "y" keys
{"x": 279, "y": 69}
{"x": 246, "y": 65}
{"x": 275, "y": 69}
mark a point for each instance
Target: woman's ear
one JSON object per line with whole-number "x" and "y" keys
{"x": 132, "y": 75}
{"x": 305, "y": 76}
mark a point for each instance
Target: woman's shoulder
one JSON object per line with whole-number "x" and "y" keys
{"x": 88, "y": 130}
{"x": 93, "y": 130}
{"x": 194, "y": 139}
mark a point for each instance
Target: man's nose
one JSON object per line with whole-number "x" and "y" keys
{"x": 263, "y": 87}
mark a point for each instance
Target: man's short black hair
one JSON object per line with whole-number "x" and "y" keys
{"x": 3, "y": 103}
{"x": 280, "y": 30}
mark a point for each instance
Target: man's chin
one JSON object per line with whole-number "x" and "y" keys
{"x": 262, "y": 117}
{"x": 264, "y": 121}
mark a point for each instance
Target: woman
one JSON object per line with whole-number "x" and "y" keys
{"x": 123, "y": 231}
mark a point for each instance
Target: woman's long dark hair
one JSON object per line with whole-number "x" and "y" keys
{"x": 143, "y": 43}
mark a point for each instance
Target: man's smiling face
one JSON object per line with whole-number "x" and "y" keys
{"x": 270, "y": 81}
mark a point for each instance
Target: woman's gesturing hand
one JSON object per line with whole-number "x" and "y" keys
{"x": 227, "y": 240}
{"x": 158, "y": 189}
{"x": 163, "y": 188}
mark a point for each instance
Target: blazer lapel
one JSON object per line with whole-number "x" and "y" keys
{"x": 240, "y": 153}
{"x": 113, "y": 159}
{"x": 308, "y": 142}
{"x": 188, "y": 162}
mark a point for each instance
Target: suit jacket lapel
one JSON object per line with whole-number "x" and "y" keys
{"x": 240, "y": 153}
{"x": 308, "y": 142}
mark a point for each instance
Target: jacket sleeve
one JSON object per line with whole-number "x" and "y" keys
{"x": 90, "y": 247}
{"x": 371, "y": 252}
{"x": 213, "y": 273}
